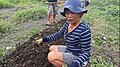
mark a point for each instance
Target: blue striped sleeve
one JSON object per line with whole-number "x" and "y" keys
{"x": 56, "y": 35}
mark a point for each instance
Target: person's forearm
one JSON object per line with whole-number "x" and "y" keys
{"x": 52, "y": 37}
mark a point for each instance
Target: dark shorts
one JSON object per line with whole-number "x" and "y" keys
{"x": 68, "y": 57}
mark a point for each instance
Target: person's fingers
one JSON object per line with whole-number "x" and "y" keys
{"x": 39, "y": 41}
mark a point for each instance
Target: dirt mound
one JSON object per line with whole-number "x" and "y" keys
{"x": 29, "y": 54}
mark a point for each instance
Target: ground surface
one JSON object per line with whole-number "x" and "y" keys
{"x": 28, "y": 55}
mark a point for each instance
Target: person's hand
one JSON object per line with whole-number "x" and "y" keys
{"x": 39, "y": 41}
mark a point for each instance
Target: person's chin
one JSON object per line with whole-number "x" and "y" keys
{"x": 71, "y": 22}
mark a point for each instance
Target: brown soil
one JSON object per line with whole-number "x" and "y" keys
{"x": 29, "y": 54}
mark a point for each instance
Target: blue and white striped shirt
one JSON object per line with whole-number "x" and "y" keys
{"x": 78, "y": 41}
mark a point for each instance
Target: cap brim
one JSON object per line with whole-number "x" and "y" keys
{"x": 74, "y": 9}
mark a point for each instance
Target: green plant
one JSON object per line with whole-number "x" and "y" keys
{"x": 97, "y": 41}
{"x": 34, "y": 31}
{"x": 2, "y": 52}
{"x": 5, "y": 26}
{"x": 20, "y": 1}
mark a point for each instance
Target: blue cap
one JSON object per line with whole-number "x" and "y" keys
{"x": 74, "y": 6}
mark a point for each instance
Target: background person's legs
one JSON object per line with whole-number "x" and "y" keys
{"x": 49, "y": 14}
{"x": 54, "y": 16}
{"x": 55, "y": 9}
{"x": 48, "y": 19}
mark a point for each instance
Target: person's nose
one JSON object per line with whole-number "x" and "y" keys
{"x": 70, "y": 15}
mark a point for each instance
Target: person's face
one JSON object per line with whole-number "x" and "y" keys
{"x": 72, "y": 17}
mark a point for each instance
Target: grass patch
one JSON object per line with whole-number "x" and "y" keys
{"x": 5, "y": 4}
{"x": 103, "y": 18}
{"x": 14, "y": 3}
{"x": 34, "y": 31}
{"x": 1, "y": 52}
{"x": 29, "y": 34}
{"x": 103, "y": 57}
{"x": 31, "y": 14}
{"x": 22, "y": 2}
{"x": 5, "y": 26}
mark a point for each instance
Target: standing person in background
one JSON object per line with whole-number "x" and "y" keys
{"x": 77, "y": 36}
{"x": 52, "y": 10}
{"x": 85, "y": 3}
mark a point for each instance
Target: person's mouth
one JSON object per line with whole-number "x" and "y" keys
{"x": 70, "y": 21}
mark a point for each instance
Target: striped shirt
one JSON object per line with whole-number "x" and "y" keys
{"x": 77, "y": 42}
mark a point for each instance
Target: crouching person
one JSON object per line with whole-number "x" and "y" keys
{"x": 76, "y": 34}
